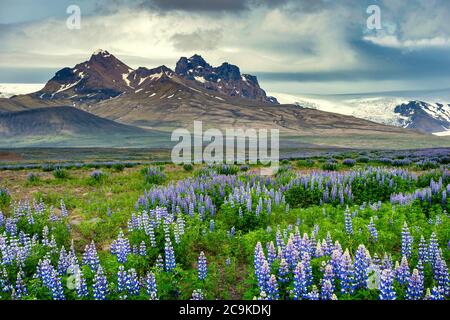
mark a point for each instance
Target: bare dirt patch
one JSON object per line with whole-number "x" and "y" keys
{"x": 10, "y": 156}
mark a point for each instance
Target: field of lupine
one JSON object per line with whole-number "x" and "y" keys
{"x": 347, "y": 227}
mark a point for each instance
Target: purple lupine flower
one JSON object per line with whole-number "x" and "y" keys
{"x": 56, "y": 286}
{"x": 5, "y": 284}
{"x": 150, "y": 286}
{"x": 271, "y": 253}
{"x": 20, "y": 289}
{"x": 100, "y": 285}
{"x": 325, "y": 248}
{"x": 402, "y": 271}
{"x": 80, "y": 284}
{"x": 386, "y": 263}
{"x": 63, "y": 262}
{"x": 197, "y": 294}
{"x": 433, "y": 249}
{"x": 142, "y": 249}
{"x": 202, "y": 267}
{"x": 263, "y": 275}
{"x": 176, "y": 233}
{"x": 64, "y": 212}
{"x": 437, "y": 293}
{"x": 415, "y": 286}
{"x": 376, "y": 260}
{"x": 90, "y": 256}
{"x": 327, "y": 283}
{"x": 407, "y": 241}
{"x": 169, "y": 262}
{"x": 269, "y": 206}
{"x": 362, "y": 262}
{"x": 249, "y": 204}
{"x": 121, "y": 248}
{"x": 159, "y": 263}
{"x": 290, "y": 253}
{"x": 348, "y": 222}
{"x": 258, "y": 256}
{"x": 423, "y": 250}
{"x": 283, "y": 272}
{"x": 300, "y": 287}
{"x": 305, "y": 245}
{"x": 313, "y": 294}
{"x": 441, "y": 275}
{"x": 336, "y": 257}
{"x": 345, "y": 273}
{"x": 133, "y": 285}
{"x": 121, "y": 279}
{"x": 272, "y": 288}
{"x": 49, "y": 277}
{"x": 330, "y": 246}
{"x": 386, "y": 285}
{"x": 319, "y": 251}
{"x": 373, "y": 231}
{"x": 279, "y": 240}
{"x": 307, "y": 269}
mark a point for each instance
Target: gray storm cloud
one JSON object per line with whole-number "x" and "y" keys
{"x": 287, "y": 40}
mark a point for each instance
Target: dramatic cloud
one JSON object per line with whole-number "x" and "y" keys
{"x": 197, "y": 5}
{"x": 197, "y": 40}
{"x": 284, "y": 41}
{"x": 413, "y": 24}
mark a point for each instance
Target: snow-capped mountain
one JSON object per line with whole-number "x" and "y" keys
{"x": 429, "y": 117}
{"x": 101, "y": 77}
{"x": 397, "y": 110}
{"x": 226, "y": 79}
{"x": 104, "y": 76}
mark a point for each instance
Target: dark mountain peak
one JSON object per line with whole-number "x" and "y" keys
{"x": 101, "y": 52}
{"x": 101, "y": 77}
{"x": 195, "y": 65}
{"x": 229, "y": 72}
{"x": 250, "y": 78}
{"x": 147, "y": 71}
{"x": 103, "y": 59}
{"x": 198, "y": 60}
{"x": 163, "y": 69}
{"x": 142, "y": 76}
{"x": 101, "y": 56}
{"x": 225, "y": 79}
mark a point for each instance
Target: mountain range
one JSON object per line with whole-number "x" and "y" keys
{"x": 426, "y": 111}
{"x": 103, "y": 96}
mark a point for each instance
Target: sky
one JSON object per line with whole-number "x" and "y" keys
{"x": 293, "y": 46}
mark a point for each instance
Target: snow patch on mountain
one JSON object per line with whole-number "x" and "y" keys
{"x": 200, "y": 79}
